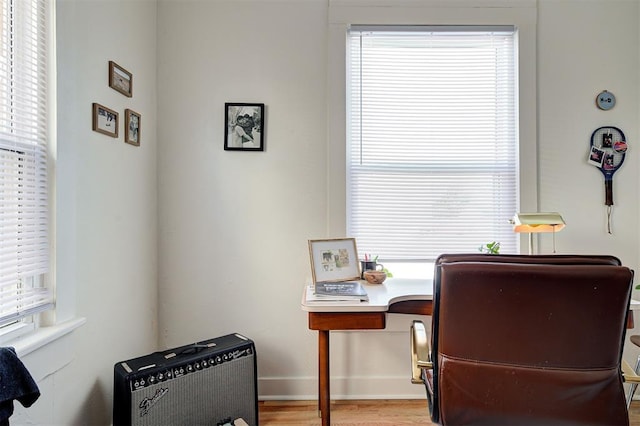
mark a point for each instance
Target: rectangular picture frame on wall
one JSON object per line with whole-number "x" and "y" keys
{"x": 120, "y": 79}
{"x": 244, "y": 126}
{"x": 132, "y": 123}
{"x": 105, "y": 120}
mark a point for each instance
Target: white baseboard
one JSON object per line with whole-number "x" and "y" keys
{"x": 344, "y": 388}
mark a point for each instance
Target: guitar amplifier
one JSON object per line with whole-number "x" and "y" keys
{"x": 206, "y": 383}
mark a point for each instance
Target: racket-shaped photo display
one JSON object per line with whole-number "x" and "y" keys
{"x": 607, "y": 151}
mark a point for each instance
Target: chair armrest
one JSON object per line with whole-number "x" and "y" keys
{"x": 628, "y": 375}
{"x": 420, "y": 352}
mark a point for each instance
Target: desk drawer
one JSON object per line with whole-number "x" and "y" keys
{"x": 347, "y": 320}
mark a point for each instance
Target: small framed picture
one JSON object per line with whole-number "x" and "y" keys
{"x": 105, "y": 120}
{"x": 334, "y": 260}
{"x": 607, "y": 140}
{"x": 132, "y": 127}
{"x": 244, "y": 127}
{"x": 120, "y": 79}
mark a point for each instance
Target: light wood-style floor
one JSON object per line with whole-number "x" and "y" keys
{"x": 362, "y": 413}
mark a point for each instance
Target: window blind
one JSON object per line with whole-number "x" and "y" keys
{"x": 432, "y": 140}
{"x": 24, "y": 217}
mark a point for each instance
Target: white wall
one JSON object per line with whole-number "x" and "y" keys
{"x": 573, "y": 67}
{"x": 234, "y": 225}
{"x": 237, "y": 259}
{"x": 224, "y": 241}
{"x": 106, "y": 213}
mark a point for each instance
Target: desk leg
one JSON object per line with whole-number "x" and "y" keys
{"x": 324, "y": 394}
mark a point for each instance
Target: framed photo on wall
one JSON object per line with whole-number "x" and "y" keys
{"x": 105, "y": 120}
{"x": 132, "y": 127}
{"x": 120, "y": 79}
{"x": 244, "y": 127}
{"x": 334, "y": 260}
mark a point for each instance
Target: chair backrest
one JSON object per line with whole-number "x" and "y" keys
{"x": 549, "y": 259}
{"x": 529, "y": 339}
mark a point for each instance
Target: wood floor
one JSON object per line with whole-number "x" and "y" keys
{"x": 363, "y": 413}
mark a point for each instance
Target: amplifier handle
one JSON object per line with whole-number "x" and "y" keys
{"x": 193, "y": 349}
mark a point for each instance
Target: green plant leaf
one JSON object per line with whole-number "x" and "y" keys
{"x": 490, "y": 248}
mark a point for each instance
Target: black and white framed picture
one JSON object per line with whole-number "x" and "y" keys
{"x": 132, "y": 127}
{"x": 244, "y": 127}
{"x": 105, "y": 120}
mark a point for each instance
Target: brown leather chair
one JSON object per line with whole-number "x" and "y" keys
{"x": 525, "y": 340}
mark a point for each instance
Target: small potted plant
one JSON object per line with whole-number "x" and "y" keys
{"x": 490, "y": 248}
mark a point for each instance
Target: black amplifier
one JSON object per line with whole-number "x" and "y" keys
{"x": 206, "y": 383}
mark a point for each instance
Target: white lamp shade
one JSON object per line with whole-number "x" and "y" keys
{"x": 538, "y": 222}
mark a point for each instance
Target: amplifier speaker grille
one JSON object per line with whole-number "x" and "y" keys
{"x": 203, "y": 396}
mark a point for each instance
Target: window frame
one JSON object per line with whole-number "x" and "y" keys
{"x": 24, "y": 322}
{"x": 344, "y": 13}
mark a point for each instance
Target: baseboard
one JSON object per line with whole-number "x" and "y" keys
{"x": 345, "y": 388}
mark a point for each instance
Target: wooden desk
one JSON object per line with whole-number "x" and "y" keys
{"x": 402, "y": 296}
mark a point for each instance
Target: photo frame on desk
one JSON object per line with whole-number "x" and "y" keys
{"x": 334, "y": 260}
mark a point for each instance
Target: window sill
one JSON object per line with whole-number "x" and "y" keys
{"x": 44, "y": 335}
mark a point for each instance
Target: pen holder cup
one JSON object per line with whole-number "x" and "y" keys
{"x": 366, "y": 265}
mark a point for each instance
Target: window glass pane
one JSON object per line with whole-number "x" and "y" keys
{"x": 432, "y": 140}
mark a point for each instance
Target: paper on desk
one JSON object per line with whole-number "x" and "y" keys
{"x": 313, "y": 298}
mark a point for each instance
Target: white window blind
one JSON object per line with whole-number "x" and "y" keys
{"x": 432, "y": 139}
{"x": 24, "y": 217}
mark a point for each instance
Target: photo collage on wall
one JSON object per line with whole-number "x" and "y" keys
{"x": 106, "y": 120}
{"x": 606, "y": 150}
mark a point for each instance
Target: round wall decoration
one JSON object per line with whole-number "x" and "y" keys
{"x": 605, "y": 100}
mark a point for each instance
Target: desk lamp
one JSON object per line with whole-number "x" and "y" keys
{"x": 538, "y": 222}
